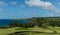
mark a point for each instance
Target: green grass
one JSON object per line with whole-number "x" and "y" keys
{"x": 21, "y": 28}
{"x": 11, "y": 30}
{"x": 56, "y": 29}
{"x": 45, "y": 34}
{"x": 6, "y": 31}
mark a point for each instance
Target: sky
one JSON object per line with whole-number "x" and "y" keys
{"x": 14, "y": 9}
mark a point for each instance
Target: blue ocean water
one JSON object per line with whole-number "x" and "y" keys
{"x": 8, "y": 21}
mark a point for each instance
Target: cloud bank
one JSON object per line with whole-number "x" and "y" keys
{"x": 44, "y": 5}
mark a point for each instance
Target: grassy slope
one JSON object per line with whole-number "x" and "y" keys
{"x": 6, "y": 31}
{"x": 11, "y": 30}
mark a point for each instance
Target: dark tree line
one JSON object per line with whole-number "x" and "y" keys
{"x": 40, "y": 22}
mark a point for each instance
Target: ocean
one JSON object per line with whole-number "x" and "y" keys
{"x": 4, "y": 22}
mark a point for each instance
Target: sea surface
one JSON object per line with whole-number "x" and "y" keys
{"x": 4, "y": 22}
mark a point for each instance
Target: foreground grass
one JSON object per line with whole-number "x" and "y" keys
{"x": 11, "y": 30}
{"x": 21, "y": 28}
{"x": 6, "y": 31}
{"x": 45, "y": 34}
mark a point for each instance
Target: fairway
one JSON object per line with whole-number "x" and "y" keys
{"x": 12, "y": 30}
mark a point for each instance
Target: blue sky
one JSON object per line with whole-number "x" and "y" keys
{"x": 14, "y": 9}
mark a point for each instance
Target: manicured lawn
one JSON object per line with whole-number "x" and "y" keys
{"x": 45, "y": 34}
{"x": 57, "y": 29}
{"x": 6, "y": 31}
{"x": 21, "y": 28}
{"x": 11, "y": 30}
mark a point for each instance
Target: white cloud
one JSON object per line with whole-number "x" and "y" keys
{"x": 2, "y": 3}
{"x": 23, "y": 6}
{"x": 1, "y": 9}
{"x": 52, "y": 15}
{"x": 39, "y": 3}
{"x": 13, "y": 2}
{"x": 58, "y": 3}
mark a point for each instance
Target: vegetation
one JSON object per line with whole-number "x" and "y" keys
{"x": 41, "y": 30}
{"x": 21, "y": 28}
{"x": 41, "y": 24}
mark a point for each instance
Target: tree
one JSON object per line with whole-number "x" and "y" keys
{"x": 14, "y": 24}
